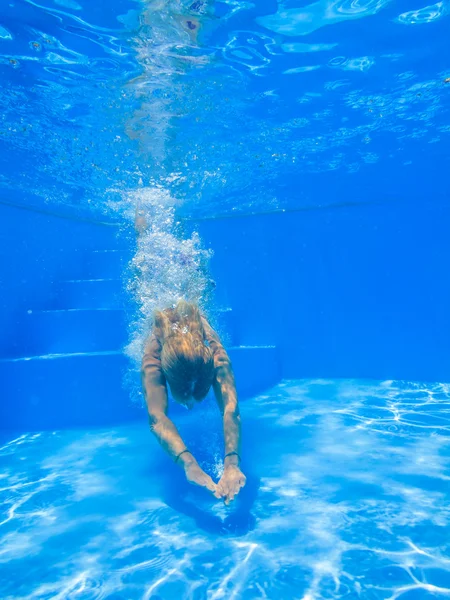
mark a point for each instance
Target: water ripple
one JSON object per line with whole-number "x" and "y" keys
{"x": 251, "y": 50}
{"x": 352, "y": 501}
{"x": 193, "y": 96}
{"x": 427, "y": 14}
{"x": 305, "y": 20}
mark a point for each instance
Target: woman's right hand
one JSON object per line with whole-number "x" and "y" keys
{"x": 196, "y": 476}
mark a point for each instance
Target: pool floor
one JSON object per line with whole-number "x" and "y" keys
{"x": 348, "y": 496}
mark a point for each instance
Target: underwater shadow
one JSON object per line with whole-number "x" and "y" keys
{"x": 198, "y": 504}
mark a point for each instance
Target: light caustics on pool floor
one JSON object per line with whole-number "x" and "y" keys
{"x": 348, "y": 497}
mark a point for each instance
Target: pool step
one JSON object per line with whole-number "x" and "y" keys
{"x": 86, "y": 389}
{"x": 40, "y": 332}
{"x": 256, "y": 368}
{"x": 64, "y": 390}
{"x": 90, "y": 294}
{"x": 108, "y": 264}
{"x": 73, "y": 330}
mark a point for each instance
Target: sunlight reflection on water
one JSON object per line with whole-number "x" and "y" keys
{"x": 347, "y": 496}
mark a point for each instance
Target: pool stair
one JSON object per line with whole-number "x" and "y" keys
{"x": 86, "y": 388}
{"x": 65, "y": 366}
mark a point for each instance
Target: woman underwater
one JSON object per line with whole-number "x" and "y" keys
{"x": 186, "y": 353}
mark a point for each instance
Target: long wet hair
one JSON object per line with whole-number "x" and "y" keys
{"x": 187, "y": 362}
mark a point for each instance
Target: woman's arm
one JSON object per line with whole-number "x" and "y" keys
{"x": 225, "y": 391}
{"x": 155, "y": 393}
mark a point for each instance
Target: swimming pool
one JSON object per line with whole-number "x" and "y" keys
{"x": 290, "y": 161}
{"x": 347, "y": 497}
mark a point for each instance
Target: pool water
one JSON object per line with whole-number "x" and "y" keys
{"x": 348, "y": 496}
{"x": 287, "y": 158}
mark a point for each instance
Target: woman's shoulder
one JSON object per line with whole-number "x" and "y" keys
{"x": 211, "y": 335}
{"x": 152, "y": 349}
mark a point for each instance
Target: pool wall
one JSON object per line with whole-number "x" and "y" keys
{"x": 346, "y": 291}
{"x": 60, "y": 360}
{"x": 360, "y": 291}
{"x": 38, "y": 251}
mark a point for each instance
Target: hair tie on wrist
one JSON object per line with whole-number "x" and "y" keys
{"x": 182, "y": 452}
{"x": 232, "y": 454}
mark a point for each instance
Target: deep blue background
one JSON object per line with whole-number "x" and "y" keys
{"x": 38, "y": 250}
{"x": 321, "y": 192}
{"x": 355, "y": 292}
{"x": 312, "y": 159}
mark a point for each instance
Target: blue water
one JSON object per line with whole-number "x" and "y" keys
{"x": 291, "y": 159}
{"x": 347, "y": 497}
{"x": 322, "y": 103}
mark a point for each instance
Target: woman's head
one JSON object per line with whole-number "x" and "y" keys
{"x": 187, "y": 362}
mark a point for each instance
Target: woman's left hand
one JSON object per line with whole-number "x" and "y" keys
{"x": 232, "y": 480}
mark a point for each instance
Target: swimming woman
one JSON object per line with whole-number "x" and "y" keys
{"x": 186, "y": 353}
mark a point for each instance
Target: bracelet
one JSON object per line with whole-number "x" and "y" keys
{"x": 182, "y": 452}
{"x": 233, "y": 454}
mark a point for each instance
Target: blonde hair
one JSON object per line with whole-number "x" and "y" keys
{"x": 187, "y": 362}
